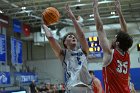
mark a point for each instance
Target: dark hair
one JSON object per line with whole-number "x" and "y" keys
{"x": 91, "y": 72}
{"x": 64, "y": 38}
{"x": 125, "y": 40}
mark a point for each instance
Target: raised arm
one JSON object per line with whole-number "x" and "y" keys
{"x": 79, "y": 31}
{"x": 121, "y": 17}
{"x": 98, "y": 85}
{"x": 99, "y": 27}
{"x": 55, "y": 46}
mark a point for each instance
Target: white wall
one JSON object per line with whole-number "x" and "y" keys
{"x": 135, "y": 55}
{"x": 48, "y": 69}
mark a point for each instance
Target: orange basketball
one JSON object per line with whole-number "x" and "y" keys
{"x": 50, "y": 15}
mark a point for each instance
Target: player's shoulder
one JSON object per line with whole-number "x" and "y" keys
{"x": 108, "y": 58}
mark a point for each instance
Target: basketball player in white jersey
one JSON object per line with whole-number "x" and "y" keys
{"x": 73, "y": 57}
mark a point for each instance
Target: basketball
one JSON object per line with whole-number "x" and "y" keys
{"x": 50, "y": 15}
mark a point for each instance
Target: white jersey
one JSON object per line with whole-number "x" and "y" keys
{"x": 75, "y": 67}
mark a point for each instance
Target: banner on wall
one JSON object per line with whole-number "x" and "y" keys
{"x": 4, "y": 78}
{"x": 2, "y": 48}
{"x": 4, "y": 20}
{"x": 26, "y": 29}
{"x": 17, "y": 26}
{"x": 19, "y": 51}
{"x": 16, "y": 51}
{"x": 26, "y": 77}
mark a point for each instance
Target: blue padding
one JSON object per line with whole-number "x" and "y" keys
{"x": 135, "y": 77}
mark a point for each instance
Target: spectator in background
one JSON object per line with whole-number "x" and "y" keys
{"x": 43, "y": 88}
{"x": 54, "y": 88}
{"x": 131, "y": 85}
{"x": 97, "y": 87}
{"x": 32, "y": 87}
{"x": 62, "y": 86}
{"x": 48, "y": 87}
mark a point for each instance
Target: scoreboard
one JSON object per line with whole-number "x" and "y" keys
{"x": 138, "y": 47}
{"x": 93, "y": 43}
{"x": 94, "y": 47}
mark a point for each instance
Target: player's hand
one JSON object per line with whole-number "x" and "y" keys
{"x": 117, "y": 4}
{"x": 47, "y": 30}
{"x": 95, "y": 3}
{"x": 71, "y": 15}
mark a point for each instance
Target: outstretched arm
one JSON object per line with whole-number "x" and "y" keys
{"x": 99, "y": 27}
{"x": 55, "y": 46}
{"x": 79, "y": 31}
{"x": 121, "y": 17}
{"x": 98, "y": 85}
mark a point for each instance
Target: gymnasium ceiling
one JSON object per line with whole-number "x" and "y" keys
{"x": 34, "y": 8}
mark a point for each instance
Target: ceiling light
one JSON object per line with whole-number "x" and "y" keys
{"x": 78, "y": 5}
{"x": 14, "y": 5}
{"x": 103, "y": 2}
{"x": 113, "y": 16}
{"x": 1, "y": 11}
{"x": 110, "y": 17}
{"x": 90, "y": 19}
{"x": 112, "y": 13}
{"x": 6, "y": 1}
{"x": 92, "y": 15}
{"x": 23, "y": 8}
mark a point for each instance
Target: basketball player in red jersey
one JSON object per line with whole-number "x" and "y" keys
{"x": 96, "y": 84}
{"x": 116, "y": 57}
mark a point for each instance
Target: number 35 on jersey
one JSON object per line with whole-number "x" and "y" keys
{"x": 122, "y": 67}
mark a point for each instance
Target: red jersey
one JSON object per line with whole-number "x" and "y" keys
{"x": 116, "y": 73}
